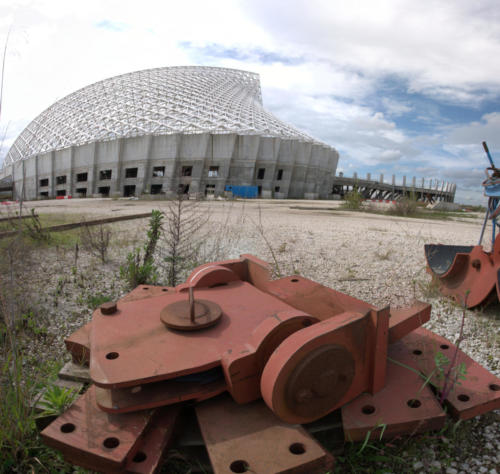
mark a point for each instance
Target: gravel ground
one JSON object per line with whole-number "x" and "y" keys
{"x": 373, "y": 257}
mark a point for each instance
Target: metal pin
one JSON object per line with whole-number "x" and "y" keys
{"x": 191, "y": 304}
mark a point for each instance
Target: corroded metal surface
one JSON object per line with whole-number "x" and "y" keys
{"x": 89, "y": 437}
{"x": 477, "y": 392}
{"x": 319, "y": 368}
{"x": 249, "y": 438}
{"x": 306, "y": 349}
{"x": 405, "y": 405}
{"x": 470, "y": 278}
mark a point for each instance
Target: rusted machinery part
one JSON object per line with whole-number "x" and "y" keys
{"x": 191, "y": 316}
{"x": 405, "y": 405}
{"x": 91, "y": 438}
{"x": 157, "y": 394}
{"x": 440, "y": 257}
{"x": 318, "y": 369}
{"x": 468, "y": 276}
{"x": 249, "y": 438}
{"x": 475, "y": 394}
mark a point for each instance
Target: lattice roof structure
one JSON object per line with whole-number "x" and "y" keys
{"x": 190, "y": 99}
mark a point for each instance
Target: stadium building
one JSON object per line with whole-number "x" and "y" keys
{"x": 161, "y": 131}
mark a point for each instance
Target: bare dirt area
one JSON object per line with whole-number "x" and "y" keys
{"x": 376, "y": 258}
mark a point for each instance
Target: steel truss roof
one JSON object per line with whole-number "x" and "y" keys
{"x": 190, "y": 99}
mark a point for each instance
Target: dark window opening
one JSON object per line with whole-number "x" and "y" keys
{"x": 276, "y": 189}
{"x": 104, "y": 174}
{"x": 183, "y": 189}
{"x": 213, "y": 171}
{"x": 104, "y": 190}
{"x": 187, "y": 170}
{"x": 129, "y": 190}
{"x": 259, "y": 190}
{"x": 130, "y": 172}
{"x": 158, "y": 171}
{"x": 61, "y": 192}
{"x": 280, "y": 175}
{"x": 44, "y": 194}
{"x": 260, "y": 173}
{"x": 44, "y": 182}
{"x": 209, "y": 189}
{"x": 156, "y": 188}
{"x": 81, "y": 191}
{"x": 81, "y": 177}
{"x": 61, "y": 180}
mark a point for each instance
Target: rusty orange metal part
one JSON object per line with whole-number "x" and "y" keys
{"x": 468, "y": 274}
{"x": 305, "y": 349}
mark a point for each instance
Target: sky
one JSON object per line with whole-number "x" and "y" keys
{"x": 400, "y": 87}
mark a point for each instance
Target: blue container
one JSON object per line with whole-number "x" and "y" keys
{"x": 248, "y": 192}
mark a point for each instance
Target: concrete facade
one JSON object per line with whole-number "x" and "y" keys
{"x": 191, "y": 129}
{"x": 202, "y": 164}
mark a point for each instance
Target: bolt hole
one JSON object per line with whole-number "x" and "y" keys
{"x": 342, "y": 378}
{"x": 444, "y": 346}
{"x": 111, "y": 443}
{"x": 417, "y": 352}
{"x": 295, "y": 280}
{"x": 68, "y": 428}
{"x": 463, "y": 398}
{"x": 413, "y": 403}
{"x": 112, "y": 355}
{"x": 164, "y": 289}
{"x": 139, "y": 457}
{"x": 368, "y": 409}
{"x": 136, "y": 389}
{"x": 297, "y": 448}
{"x": 494, "y": 387}
{"x": 306, "y": 322}
{"x": 146, "y": 288}
{"x": 239, "y": 466}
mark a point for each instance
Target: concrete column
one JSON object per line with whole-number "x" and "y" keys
{"x": 70, "y": 178}
{"x": 394, "y": 180}
{"x": 368, "y": 176}
{"x": 381, "y": 178}
{"x": 119, "y": 168}
{"x": 414, "y": 182}
{"x": 36, "y": 177}
{"x": 355, "y": 175}
{"x": 423, "y": 182}
{"x": 404, "y": 181}
{"x": 24, "y": 178}
{"x": 92, "y": 176}
{"x": 148, "y": 171}
{"x": 52, "y": 175}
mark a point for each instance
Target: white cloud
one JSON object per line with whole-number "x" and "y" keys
{"x": 442, "y": 48}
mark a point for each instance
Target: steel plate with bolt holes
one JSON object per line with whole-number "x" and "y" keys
{"x": 155, "y": 443}
{"x": 249, "y": 438}
{"x": 477, "y": 393}
{"x": 91, "y": 438}
{"x": 133, "y": 346}
{"x": 406, "y": 405}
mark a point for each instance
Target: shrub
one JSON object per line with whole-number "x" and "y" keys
{"x": 353, "y": 200}
{"x": 141, "y": 270}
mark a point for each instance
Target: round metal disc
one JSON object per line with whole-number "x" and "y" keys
{"x": 303, "y": 386}
{"x": 319, "y": 381}
{"x": 176, "y": 315}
